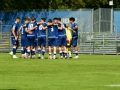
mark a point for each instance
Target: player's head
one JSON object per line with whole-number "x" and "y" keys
{"x": 72, "y": 19}
{"x": 33, "y": 19}
{"x": 59, "y": 19}
{"x": 50, "y": 20}
{"x": 17, "y": 20}
{"x": 55, "y": 20}
{"x": 42, "y": 20}
{"x": 27, "y": 20}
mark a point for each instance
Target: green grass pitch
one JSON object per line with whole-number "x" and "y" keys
{"x": 89, "y": 72}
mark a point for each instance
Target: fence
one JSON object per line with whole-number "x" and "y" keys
{"x": 96, "y": 28}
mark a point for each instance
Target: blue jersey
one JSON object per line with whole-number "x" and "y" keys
{"x": 55, "y": 28}
{"x": 15, "y": 27}
{"x": 31, "y": 25}
{"x": 61, "y": 32}
{"x": 52, "y": 32}
{"x": 74, "y": 34}
{"x": 41, "y": 32}
{"x": 22, "y": 31}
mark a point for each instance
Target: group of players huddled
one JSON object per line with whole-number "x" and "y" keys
{"x": 33, "y": 38}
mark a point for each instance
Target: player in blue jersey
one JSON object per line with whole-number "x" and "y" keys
{"x": 14, "y": 37}
{"x": 23, "y": 33}
{"x": 31, "y": 37}
{"x": 55, "y": 26}
{"x": 42, "y": 37}
{"x": 62, "y": 43}
{"x": 74, "y": 28}
{"x": 52, "y": 39}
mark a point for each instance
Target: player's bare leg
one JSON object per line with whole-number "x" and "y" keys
{"x": 43, "y": 52}
{"x": 22, "y": 52}
{"x": 76, "y": 51}
{"x": 33, "y": 52}
{"x": 14, "y": 51}
{"x": 60, "y": 51}
{"x": 55, "y": 50}
{"x": 50, "y": 52}
{"x": 69, "y": 51}
{"x": 39, "y": 52}
{"x": 65, "y": 52}
{"x": 29, "y": 51}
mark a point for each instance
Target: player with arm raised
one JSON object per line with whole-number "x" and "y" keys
{"x": 22, "y": 32}
{"x": 31, "y": 37}
{"x": 42, "y": 37}
{"x": 14, "y": 37}
{"x": 62, "y": 43}
{"x": 74, "y": 28}
{"x": 52, "y": 39}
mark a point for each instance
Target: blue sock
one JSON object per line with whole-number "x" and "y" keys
{"x": 14, "y": 50}
{"x": 33, "y": 52}
{"x": 50, "y": 54}
{"x": 65, "y": 54}
{"x": 39, "y": 51}
{"x": 60, "y": 53}
{"x": 76, "y": 53}
{"x": 43, "y": 52}
{"x": 22, "y": 52}
{"x": 25, "y": 50}
{"x": 55, "y": 53}
{"x": 28, "y": 51}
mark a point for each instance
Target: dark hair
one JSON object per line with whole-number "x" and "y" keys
{"x": 27, "y": 19}
{"x": 33, "y": 19}
{"x": 59, "y": 19}
{"x": 72, "y": 19}
{"x": 55, "y": 18}
{"x": 43, "y": 19}
{"x": 18, "y": 18}
{"x": 50, "y": 20}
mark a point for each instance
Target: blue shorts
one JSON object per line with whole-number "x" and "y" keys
{"x": 23, "y": 41}
{"x": 74, "y": 41}
{"x": 31, "y": 40}
{"x": 42, "y": 41}
{"x": 52, "y": 41}
{"x": 35, "y": 42}
{"x": 14, "y": 42}
{"x": 62, "y": 41}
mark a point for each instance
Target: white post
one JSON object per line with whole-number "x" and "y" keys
{"x": 111, "y": 4}
{"x": 99, "y": 19}
{"x": 111, "y": 20}
{"x": 92, "y": 20}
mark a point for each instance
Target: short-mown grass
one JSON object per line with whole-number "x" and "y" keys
{"x": 89, "y": 72}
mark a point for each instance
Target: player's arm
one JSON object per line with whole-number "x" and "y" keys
{"x": 75, "y": 27}
{"x": 60, "y": 26}
{"x": 55, "y": 24}
{"x": 19, "y": 31}
{"x": 32, "y": 28}
{"x": 28, "y": 31}
{"x": 13, "y": 32}
{"x": 44, "y": 27}
{"x": 49, "y": 24}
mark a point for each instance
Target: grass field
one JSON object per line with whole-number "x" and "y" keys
{"x": 89, "y": 72}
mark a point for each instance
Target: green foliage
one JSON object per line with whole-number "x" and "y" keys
{"x": 7, "y": 5}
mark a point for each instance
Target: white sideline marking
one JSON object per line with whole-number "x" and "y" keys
{"x": 115, "y": 85}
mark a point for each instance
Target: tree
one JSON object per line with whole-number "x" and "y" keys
{"x": 17, "y": 5}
